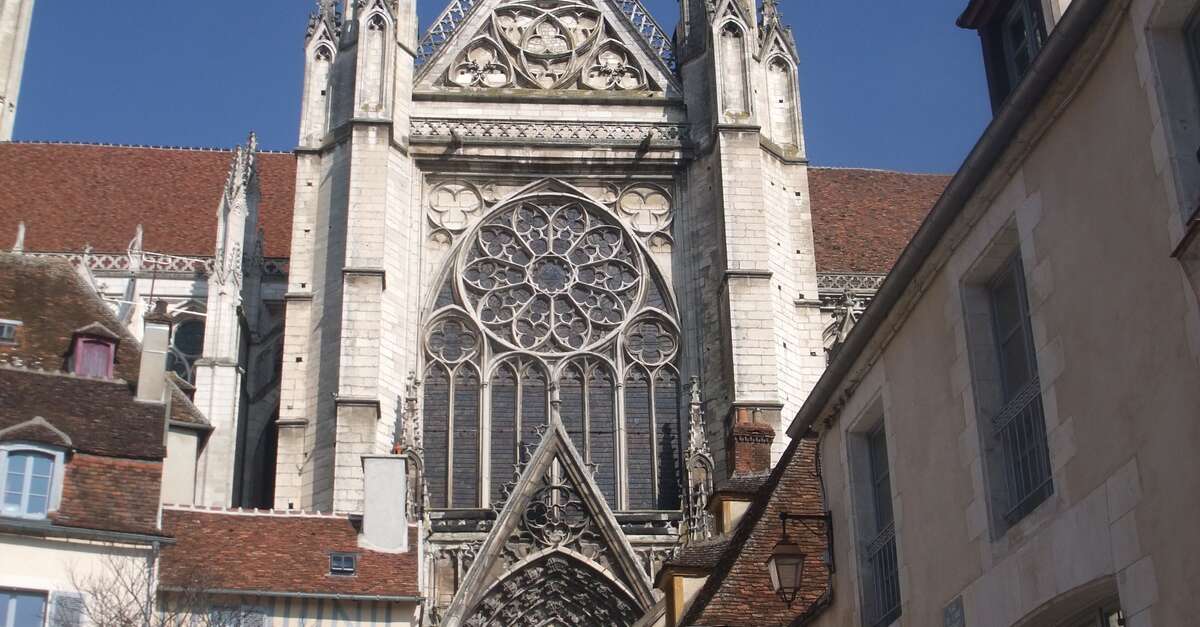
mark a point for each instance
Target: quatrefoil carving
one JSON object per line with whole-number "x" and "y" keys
{"x": 548, "y": 44}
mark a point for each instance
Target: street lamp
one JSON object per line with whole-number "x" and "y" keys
{"x": 786, "y": 563}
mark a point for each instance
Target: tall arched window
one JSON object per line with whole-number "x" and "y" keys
{"x": 781, "y": 101}
{"x": 374, "y": 52}
{"x": 553, "y": 300}
{"x": 734, "y": 74}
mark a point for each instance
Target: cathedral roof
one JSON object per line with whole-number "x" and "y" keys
{"x": 74, "y": 195}
{"x": 279, "y": 552}
{"x": 863, "y": 219}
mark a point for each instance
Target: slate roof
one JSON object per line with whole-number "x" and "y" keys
{"x": 281, "y": 552}
{"x": 863, "y": 219}
{"x": 72, "y": 195}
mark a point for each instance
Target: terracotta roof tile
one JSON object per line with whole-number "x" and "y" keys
{"x": 701, "y": 555}
{"x": 99, "y": 416}
{"x": 863, "y": 219}
{"x": 72, "y": 195}
{"x": 739, "y": 590}
{"x": 52, "y": 301}
{"x": 278, "y": 552}
{"x": 110, "y": 494}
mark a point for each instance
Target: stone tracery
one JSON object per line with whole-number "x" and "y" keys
{"x": 547, "y": 44}
{"x": 553, "y": 301}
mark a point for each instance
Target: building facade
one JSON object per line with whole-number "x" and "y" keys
{"x": 572, "y": 271}
{"x": 1005, "y": 436}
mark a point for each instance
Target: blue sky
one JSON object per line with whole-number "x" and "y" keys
{"x": 885, "y": 84}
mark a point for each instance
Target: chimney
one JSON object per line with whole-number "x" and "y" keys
{"x": 750, "y": 437}
{"x": 152, "y": 375}
{"x": 385, "y": 490}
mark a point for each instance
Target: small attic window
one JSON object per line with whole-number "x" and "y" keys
{"x": 343, "y": 564}
{"x": 93, "y": 350}
{"x": 8, "y": 331}
{"x": 94, "y": 357}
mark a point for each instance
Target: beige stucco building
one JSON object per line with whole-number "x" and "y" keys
{"x": 1027, "y": 381}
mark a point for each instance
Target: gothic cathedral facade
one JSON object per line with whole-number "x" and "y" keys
{"x": 554, "y": 256}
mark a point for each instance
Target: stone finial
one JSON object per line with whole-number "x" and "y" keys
{"x": 770, "y": 12}
{"x": 325, "y": 14}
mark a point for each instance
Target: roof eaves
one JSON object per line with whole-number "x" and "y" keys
{"x": 1066, "y": 37}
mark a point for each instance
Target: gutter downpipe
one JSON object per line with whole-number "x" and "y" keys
{"x": 1071, "y": 30}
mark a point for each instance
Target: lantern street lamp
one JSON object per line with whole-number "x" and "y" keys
{"x": 786, "y": 563}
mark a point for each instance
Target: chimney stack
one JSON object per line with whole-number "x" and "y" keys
{"x": 749, "y": 441}
{"x": 152, "y": 375}
{"x": 385, "y": 490}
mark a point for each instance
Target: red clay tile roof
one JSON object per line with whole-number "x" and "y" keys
{"x": 110, "y": 494}
{"x": 99, "y": 416}
{"x": 863, "y": 219}
{"x": 739, "y": 590}
{"x": 701, "y": 556}
{"x": 278, "y": 552}
{"x": 72, "y": 195}
{"x": 52, "y": 300}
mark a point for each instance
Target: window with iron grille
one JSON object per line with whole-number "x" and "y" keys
{"x": 1019, "y": 426}
{"x": 883, "y": 590}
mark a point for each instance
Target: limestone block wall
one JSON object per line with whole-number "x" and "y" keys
{"x": 1118, "y": 398}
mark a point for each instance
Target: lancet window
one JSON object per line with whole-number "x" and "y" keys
{"x": 559, "y": 309}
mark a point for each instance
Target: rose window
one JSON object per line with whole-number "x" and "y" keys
{"x": 551, "y": 278}
{"x": 551, "y": 310}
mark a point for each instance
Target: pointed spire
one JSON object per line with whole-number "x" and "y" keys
{"x": 326, "y": 13}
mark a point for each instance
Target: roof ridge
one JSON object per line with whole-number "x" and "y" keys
{"x": 881, "y": 170}
{"x": 58, "y": 142}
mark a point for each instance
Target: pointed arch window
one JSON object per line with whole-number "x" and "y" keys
{"x": 781, "y": 102}
{"x": 374, "y": 68}
{"x": 560, "y": 306}
{"x": 734, "y": 74}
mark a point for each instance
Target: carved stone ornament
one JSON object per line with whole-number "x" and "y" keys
{"x": 547, "y": 44}
{"x": 556, "y": 590}
{"x": 453, "y": 205}
{"x": 551, "y": 276}
{"x": 647, "y": 208}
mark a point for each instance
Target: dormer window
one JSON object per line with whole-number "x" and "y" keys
{"x": 93, "y": 350}
{"x": 8, "y": 331}
{"x": 1021, "y": 33}
{"x": 32, "y": 480}
{"x": 1013, "y": 33}
{"x": 93, "y": 358}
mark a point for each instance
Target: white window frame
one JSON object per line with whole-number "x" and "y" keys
{"x": 56, "y": 474}
{"x": 9, "y": 324}
{"x": 6, "y": 611}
